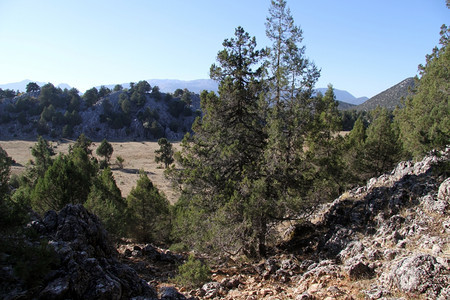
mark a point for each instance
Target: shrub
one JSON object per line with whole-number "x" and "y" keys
{"x": 193, "y": 273}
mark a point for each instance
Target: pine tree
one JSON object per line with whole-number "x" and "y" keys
{"x": 425, "y": 119}
{"x": 224, "y": 154}
{"x": 325, "y": 149}
{"x": 105, "y": 150}
{"x": 354, "y": 151}
{"x": 148, "y": 211}
{"x": 105, "y": 200}
{"x": 164, "y": 153}
{"x": 66, "y": 181}
{"x": 381, "y": 148}
{"x": 42, "y": 152}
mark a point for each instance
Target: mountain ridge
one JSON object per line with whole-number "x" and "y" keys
{"x": 391, "y": 97}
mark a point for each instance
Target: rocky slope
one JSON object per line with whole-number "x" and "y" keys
{"x": 390, "y": 98}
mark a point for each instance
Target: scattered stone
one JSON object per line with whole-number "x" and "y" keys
{"x": 360, "y": 271}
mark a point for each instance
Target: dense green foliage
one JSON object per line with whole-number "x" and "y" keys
{"x": 192, "y": 274}
{"x": 105, "y": 200}
{"x": 148, "y": 211}
{"x": 425, "y": 120}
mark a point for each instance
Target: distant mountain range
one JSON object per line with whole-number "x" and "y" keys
{"x": 390, "y": 98}
{"x": 22, "y": 85}
{"x": 344, "y": 96}
{"x": 196, "y": 86}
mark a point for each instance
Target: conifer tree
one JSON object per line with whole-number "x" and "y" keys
{"x": 42, "y": 152}
{"x": 105, "y": 200}
{"x": 354, "y": 151}
{"x": 381, "y": 148}
{"x": 164, "y": 153}
{"x": 325, "y": 149}
{"x": 148, "y": 211}
{"x": 425, "y": 119}
{"x": 5, "y": 171}
{"x": 105, "y": 150}
{"x": 223, "y": 156}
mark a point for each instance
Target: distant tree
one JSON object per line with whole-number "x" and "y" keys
{"x": 8, "y": 93}
{"x": 165, "y": 152}
{"x": 156, "y": 93}
{"x": 186, "y": 97}
{"x": 125, "y": 105}
{"x": 32, "y": 87}
{"x": 104, "y": 91}
{"x": 178, "y": 93}
{"x": 74, "y": 102}
{"x": 138, "y": 98}
{"x": 91, "y": 96}
{"x": 105, "y": 150}
{"x": 354, "y": 152}
{"x": 42, "y": 127}
{"x": 325, "y": 149}
{"x": 168, "y": 97}
{"x": 49, "y": 95}
{"x": 119, "y": 161}
{"x": 148, "y": 211}
{"x": 143, "y": 87}
{"x": 425, "y": 119}
{"x": 82, "y": 142}
{"x": 67, "y": 131}
{"x": 117, "y": 88}
{"x": 156, "y": 130}
{"x": 42, "y": 152}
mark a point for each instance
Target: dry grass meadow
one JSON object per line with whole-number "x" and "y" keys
{"x": 137, "y": 155}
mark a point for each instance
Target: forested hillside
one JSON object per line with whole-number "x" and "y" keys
{"x": 141, "y": 112}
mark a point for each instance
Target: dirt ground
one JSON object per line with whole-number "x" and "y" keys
{"x": 136, "y": 155}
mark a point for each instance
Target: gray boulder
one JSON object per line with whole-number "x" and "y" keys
{"x": 419, "y": 274}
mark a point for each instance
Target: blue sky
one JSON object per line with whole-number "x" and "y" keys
{"x": 363, "y": 47}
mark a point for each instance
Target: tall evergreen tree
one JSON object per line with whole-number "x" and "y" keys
{"x": 425, "y": 119}
{"x": 291, "y": 80}
{"x": 354, "y": 151}
{"x": 224, "y": 154}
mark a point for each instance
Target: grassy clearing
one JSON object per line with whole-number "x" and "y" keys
{"x": 136, "y": 155}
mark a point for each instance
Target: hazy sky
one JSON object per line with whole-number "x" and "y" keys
{"x": 361, "y": 46}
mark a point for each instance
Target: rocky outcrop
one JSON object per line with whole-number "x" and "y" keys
{"x": 87, "y": 266}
